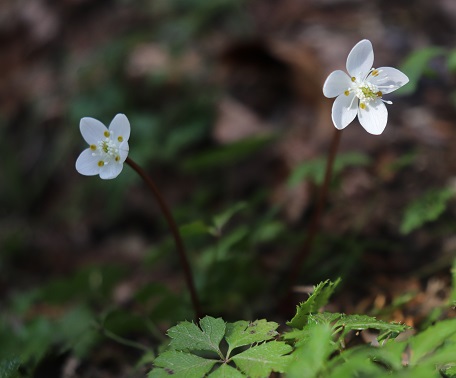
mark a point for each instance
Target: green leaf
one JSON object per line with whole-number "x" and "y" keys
{"x": 194, "y": 228}
{"x": 317, "y": 299}
{"x": 222, "y": 219}
{"x": 313, "y": 170}
{"x": 188, "y": 336}
{"x": 245, "y": 333}
{"x": 77, "y": 332}
{"x": 9, "y": 368}
{"x": 310, "y": 358}
{"x": 226, "y": 371}
{"x": 450, "y": 372}
{"x": 181, "y": 365}
{"x": 356, "y": 362}
{"x": 425, "y": 209}
{"x": 415, "y": 66}
{"x": 432, "y": 338}
{"x": 453, "y": 284}
{"x": 452, "y": 60}
{"x": 260, "y": 360}
{"x": 349, "y": 323}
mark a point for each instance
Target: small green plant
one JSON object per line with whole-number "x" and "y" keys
{"x": 255, "y": 349}
{"x": 237, "y": 349}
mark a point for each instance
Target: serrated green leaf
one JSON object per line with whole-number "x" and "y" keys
{"x": 432, "y": 338}
{"x": 9, "y": 368}
{"x": 425, "y": 209}
{"x": 259, "y": 361}
{"x": 324, "y": 317}
{"x": 415, "y": 66}
{"x": 244, "y": 333}
{"x": 310, "y": 358}
{"x": 317, "y": 299}
{"x": 181, "y": 365}
{"x": 188, "y": 336}
{"x": 226, "y": 371}
{"x": 349, "y": 323}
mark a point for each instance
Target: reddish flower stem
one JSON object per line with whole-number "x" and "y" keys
{"x": 176, "y": 234}
{"x": 315, "y": 221}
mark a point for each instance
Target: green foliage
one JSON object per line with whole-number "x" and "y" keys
{"x": 262, "y": 355}
{"x": 453, "y": 286}
{"x": 427, "y": 354}
{"x": 311, "y": 357}
{"x": 222, "y": 219}
{"x": 314, "y": 170}
{"x": 416, "y": 66}
{"x": 244, "y": 333}
{"x": 260, "y": 360}
{"x": 181, "y": 365}
{"x": 451, "y": 61}
{"x": 9, "y": 368}
{"x": 425, "y": 209}
{"x": 317, "y": 299}
{"x": 188, "y": 336}
{"x": 228, "y": 155}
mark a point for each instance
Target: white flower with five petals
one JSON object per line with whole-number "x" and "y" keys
{"x": 362, "y": 92}
{"x": 108, "y": 148}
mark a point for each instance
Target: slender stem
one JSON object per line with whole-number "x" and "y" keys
{"x": 176, "y": 234}
{"x": 315, "y": 221}
{"x": 124, "y": 341}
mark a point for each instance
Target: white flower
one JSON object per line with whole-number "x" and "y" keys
{"x": 361, "y": 93}
{"x": 107, "y": 150}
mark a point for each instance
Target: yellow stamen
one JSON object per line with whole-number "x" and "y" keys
{"x": 93, "y": 147}
{"x": 379, "y": 94}
{"x": 117, "y": 158}
{"x": 347, "y": 92}
{"x": 100, "y": 163}
{"x": 362, "y": 106}
{"x": 106, "y": 134}
{"x": 353, "y": 79}
{"x": 120, "y": 139}
{"x": 375, "y": 73}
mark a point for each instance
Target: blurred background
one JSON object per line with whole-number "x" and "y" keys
{"x": 228, "y": 117}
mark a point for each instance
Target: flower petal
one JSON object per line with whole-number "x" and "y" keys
{"x": 389, "y": 79}
{"x": 110, "y": 171}
{"x": 344, "y": 110}
{"x": 87, "y": 164}
{"x": 92, "y": 130}
{"x": 123, "y": 151}
{"x": 360, "y": 59}
{"x": 374, "y": 117}
{"x": 120, "y": 126}
{"x": 336, "y": 83}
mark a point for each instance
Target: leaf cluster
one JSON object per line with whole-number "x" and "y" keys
{"x": 313, "y": 347}
{"x": 219, "y": 349}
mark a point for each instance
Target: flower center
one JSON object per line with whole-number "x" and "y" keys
{"x": 366, "y": 92}
{"x": 107, "y": 150}
{"x": 108, "y": 147}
